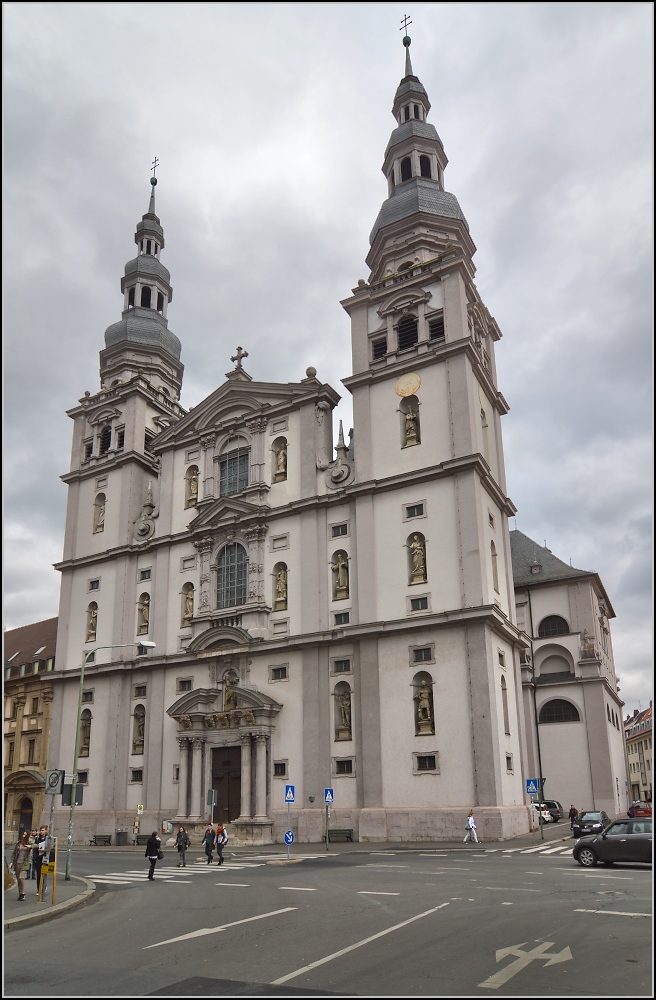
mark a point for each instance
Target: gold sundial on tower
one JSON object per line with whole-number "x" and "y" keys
{"x": 407, "y": 384}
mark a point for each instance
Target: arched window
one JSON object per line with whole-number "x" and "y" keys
{"x": 145, "y": 297}
{"x": 279, "y": 460}
{"x": 85, "y": 732}
{"x": 424, "y": 711}
{"x": 552, "y": 625}
{"x": 187, "y": 604}
{"x": 343, "y": 728}
{"x": 139, "y": 729}
{"x": 408, "y": 332}
{"x": 280, "y": 587}
{"x": 233, "y": 471}
{"x": 559, "y": 710}
{"x": 191, "y": 486}
{"x": 99, "y": 512}
{"x": 131, "y": 298}
{"x": 425, "y": 166}
{"x": 406, "y": 113}
{"x": 416, "y": 546}
{"x": 495, "y": 567}
{"x": 415, "y": 108}
{"x": 92, "y": 622}
{"x": 143, "y": 622}
{"x": 105, "y": 440}
{"x": 232, "y": 576}
{"x": 410, "y": 423}
{"x": 406, "y": 167}
{"x": 504, "y": 703}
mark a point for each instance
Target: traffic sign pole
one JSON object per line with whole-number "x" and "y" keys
{"x": 289, "y": 826}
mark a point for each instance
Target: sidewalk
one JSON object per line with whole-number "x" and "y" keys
{"x": 78, "y": 890}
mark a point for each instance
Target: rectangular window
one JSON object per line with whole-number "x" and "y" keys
{"x": 87, "y": 696}
{"x": 144, "y": 574}
{"x": 509, "y": 763}
{"x": 436, "y": 328}
{"x": 414, "y": 510}
{"x": 343, "y": 767}
{"x": 140, "y": 691}
{"x": 31, "y": 750}
{"x": 14, "y": 710}
{"x": 419, "y": 604}
{"x": 339, "y": 529}
{"x": 176, "y": 773}
{"x": 342, "y": 618}
{"x": 148, "y": 442}
{"x": 280, "y": 768}
{"x": 120, "y": 440}
{"x": 502, "y": 659}
{"x": 426, "y": 762}
{"x": 142, "y": 650}
{"x": 234, "y": 473}
{"x": 278, "y": 673}
{"x": 10, "y": 755}
{"x": 379, "y": 349}
{"x": 136, "y": 774}
{"x": 185, "y": 684}
{"x": 88, "y": 450}
{"x": 35, "y": 706}
{"x": 342, "y": 666}
{"x": 423, "y": 654}
{"x": 82, "y": 777}
{"x": 94, "y": 584}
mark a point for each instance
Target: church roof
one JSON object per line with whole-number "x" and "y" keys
{"x": 417, "y": 195}
{"x": 413, "y": 127}
{"x": 143, "y": 326}
{"x": 30, "y": 642}
{"x": 527, "y": 553}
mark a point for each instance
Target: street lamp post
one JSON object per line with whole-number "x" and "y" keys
{"x": 71, "y": 816}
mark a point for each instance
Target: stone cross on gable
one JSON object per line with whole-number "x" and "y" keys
{"x": 404, "y": 23}
{"x": 155, "y": 165}
{"x": 238, "y": 357}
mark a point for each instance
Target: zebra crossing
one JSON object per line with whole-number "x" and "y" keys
{"x": 172, "y": 874}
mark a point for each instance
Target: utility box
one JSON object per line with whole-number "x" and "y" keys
{"x": 121, "y": 838}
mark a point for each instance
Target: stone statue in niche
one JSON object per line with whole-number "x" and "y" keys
{"x": 418, "y": 558}
{"x": 193, "y": 488}
{"x": 340, "y": 567}
{"x": 281, "y": 462}
{"x": 144, "y": 615}
{"x": 229, "y": 694}
{"x": 92, "y": 625}
{"x": 343, "y": 703}
{"x": 139, "y": 732}
{"x": 189, "y": 605}
{"x": 281, "y": 589}
{"x": 424, "y": 699}
{"x": 100, "y": 517}
{"x": 411, "y": 427}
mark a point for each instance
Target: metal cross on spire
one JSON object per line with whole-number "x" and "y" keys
{"x": 238, "y": 356}
{"x": 155, "y": 165}
{"x": 404, "y": 23}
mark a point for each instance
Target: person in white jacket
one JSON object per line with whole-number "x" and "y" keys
{"x": 471, "y": 828}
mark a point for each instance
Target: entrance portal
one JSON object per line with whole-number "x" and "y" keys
{"x": 25, "y": 821}
{"x": 226, "y": 779}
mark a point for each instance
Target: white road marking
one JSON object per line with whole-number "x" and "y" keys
{"x": 365, "y": 892}
{"x": 352, "y": 947}
{"x": 215, "y": 930}
{"x": 534, "y": 850}
{"x": 504, "y": 889}
{"x": 615, "y": 913}
{"x": 511, "y": 850}
{"x": 238, "y": 885}
{"x": 618, "y": 878}
{"x": 108, "y": 881}
{"x": 506, "y": 904}
{"x": 535, "y": 873}
{"x": 523, "y": 959}
{"x": 296, "y": 888}
{"x": 555, "y": 850}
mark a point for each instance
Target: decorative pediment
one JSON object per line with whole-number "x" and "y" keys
{"x": 224, "y": 639}
{"x": 25, "y": 779}
{"x": 202, "y": 709}
{"x": 221, "y": 513}
{"x": 104, "y": 415}
{"x": 406, "y": 299}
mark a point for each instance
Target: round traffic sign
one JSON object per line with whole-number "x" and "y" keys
{"x": 289, "y": 837}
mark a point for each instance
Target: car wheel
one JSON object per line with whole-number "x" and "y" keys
{"x": 587, "y": 857}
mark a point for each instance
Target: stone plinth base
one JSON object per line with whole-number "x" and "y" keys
{"x": 251, "y": 831}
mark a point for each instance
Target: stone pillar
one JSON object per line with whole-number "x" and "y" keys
{"x": 245, "y": 776}
{"x": 260, "y": 775}
{"x": 207, "y": 442}
{"x": 196, "y": 775}
{"x": 182, "y": 778}
{"x": 204, "y": 604}
{"x": 257, "y": 428}
{"x": 255, "y": 536}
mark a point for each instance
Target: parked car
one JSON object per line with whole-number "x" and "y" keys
{"x": 623, "y": 840}
{"x": 555, "y": 808}
{"x": 542, "y": 813}
{"x": 639, "y": 809}
{"x": 588, "y": 822}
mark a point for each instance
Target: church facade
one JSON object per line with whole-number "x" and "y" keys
{"x": 328, "y": 617}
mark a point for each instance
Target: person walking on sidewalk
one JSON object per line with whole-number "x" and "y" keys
{"x": 471, "y": 828}
{"x": 41, "y": 840}
{"x": 182, "y": 842}
{"x": 208, "y": 843}
{"x": 153, "y": 853}
{"x": 573, "y": 813}
{"x": 221, "y": 840}
{"x": 31, "y": 871}
{"x": 20, "y": 860}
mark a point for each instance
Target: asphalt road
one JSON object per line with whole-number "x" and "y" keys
{"x": 469, "y": 922}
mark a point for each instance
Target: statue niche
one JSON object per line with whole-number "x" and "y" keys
{"x": 229, "y": 694}
{"x": 144, "y": 615}
{"x": 191, "y": 486}
{"x": 410, "y": 428}
{"x": 280, "y": 587}
{"x": 279, "y": 450}
{"x": 423, "y": 697}
{"x": 187, "y": 604}
{"x": 340, "y": 568}
{"x": 416, "y": 546}
{"x": 343, "y": 729}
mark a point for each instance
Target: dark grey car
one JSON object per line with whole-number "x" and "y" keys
{"x": 624, "y": 840}
{"x": 589, "y": 821}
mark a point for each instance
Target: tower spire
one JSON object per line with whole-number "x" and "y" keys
{"x": 407, "y": 42}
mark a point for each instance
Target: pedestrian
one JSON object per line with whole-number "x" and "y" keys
{"x": 470, "y": 828}
{"x": 31, "y": 871}
{"x": 573, "y": 813}
{"x": 208, "y": 843}
{"x": 182, "y": 842}
{"x": 41, "y": 842}
{"x": 20, "y": 861}
{"x": 221, "y": 839}
{"x": 153, "y": 853}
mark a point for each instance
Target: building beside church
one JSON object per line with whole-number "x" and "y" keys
{"x": 637, "y": 729}
{"x": 323, "y": 617}
{"x": 29, "y": 663}
{"x": 572, "y": 705}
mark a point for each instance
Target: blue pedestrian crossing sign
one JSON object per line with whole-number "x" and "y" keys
{"x": 289, "y": 837}
{"x": 289, "y": 793}
{"x": 328, "y": 796}
{"x": 532, "y": 786}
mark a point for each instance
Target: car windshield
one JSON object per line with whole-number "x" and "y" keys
{"x": 590, "y": 815}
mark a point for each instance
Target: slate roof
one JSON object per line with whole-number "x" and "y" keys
{"x": 412, "y": 127}
{"x": 417, "y": 195}
{"x": 525, "y": 552}
{"x": 26, "y": 640}
{"x": 139, "y": 328}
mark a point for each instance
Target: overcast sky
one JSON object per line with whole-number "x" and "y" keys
{"x": 270, "y": 122}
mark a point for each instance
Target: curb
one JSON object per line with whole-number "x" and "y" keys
{"x": 53, "y": 911}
